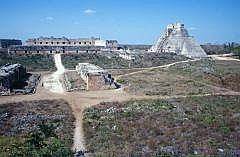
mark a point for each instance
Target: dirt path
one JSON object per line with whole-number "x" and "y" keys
{"x": 225, "y": 57}
{"x": 151, "y": 68}
{"x": 52, "y": 81}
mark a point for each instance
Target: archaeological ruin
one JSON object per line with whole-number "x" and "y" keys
{"x": 49, "y": 45}
{"x": 10, "y": 74}
{"x": 14, "y": 79}
{"x": 95, "y": 77}
{"x": 176, "y": 39}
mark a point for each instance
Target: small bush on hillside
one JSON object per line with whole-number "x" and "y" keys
{"x": 42, "y": 143}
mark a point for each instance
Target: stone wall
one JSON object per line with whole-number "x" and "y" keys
{"x": 52, "y": 49}
{"x": 4, "y": 86}
{"x": 44, "y": 41}
{"x": 9, "y": 76}
{"x": 95, "y": 82}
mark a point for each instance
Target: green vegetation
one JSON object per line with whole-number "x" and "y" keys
{"x": 156, "y": 59}
{"x": 6, "y": 142}
{"x": 36, "y": 128}
{"x": 233, "y": 49}
{"x": 33, "y": 62}
{"x": 121, "y": 81}
{"x": 155, "y": 128}
{"x": 43, "y": 143}
{"x": 71, "y": 60}
{"x": 115, "y": 62}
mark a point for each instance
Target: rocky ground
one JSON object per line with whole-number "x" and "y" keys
{"x": 193, "y": 126}
{"x": 19, "y": 122}
{"x": 197, "y": 115}
{"x": 19, "y": 119}
{"x": 73, "y": 81}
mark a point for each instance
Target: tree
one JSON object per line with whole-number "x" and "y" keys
{"x": 237, "y": 51}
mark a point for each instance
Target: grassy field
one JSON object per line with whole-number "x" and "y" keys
{"x": 220, "y": 73}
{"x": 193, "y": 126}
{"x": 163, "y": 82}
{"x": 204, "y": 76}
{"x": 36, "y": 127}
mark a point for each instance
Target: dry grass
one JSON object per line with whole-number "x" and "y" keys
{"x": 176, "y": 127}
{"x": 224, "y": 74}
{"x": 163, "y": 82}
{"x": 117, "y": 72}
{"x": 192, "y": 78}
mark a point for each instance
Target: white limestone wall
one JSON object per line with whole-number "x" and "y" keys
{"x": 101, "y": 43}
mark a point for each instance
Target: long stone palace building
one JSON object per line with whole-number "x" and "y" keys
{"x": 64, "y": 45}
{"x": 45, "y": 41}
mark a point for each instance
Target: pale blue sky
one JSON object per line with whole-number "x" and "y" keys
{"x": 129, "y": 21}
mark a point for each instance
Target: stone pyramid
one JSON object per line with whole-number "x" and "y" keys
{"x": 175, "y": 39}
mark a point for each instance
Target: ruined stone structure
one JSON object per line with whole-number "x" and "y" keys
{"x": 81, "y": 42}
{"x": 10, "y": 74}
{"x": 127, "y": 55}
{"x": 52, "y": 49}
{"x": 176, "y": 39}
{"x": 6, "y": 43}
{"x": 50, "y": 45}
{"x": 95, "y": 77}
{"x": 45, "y": 41}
